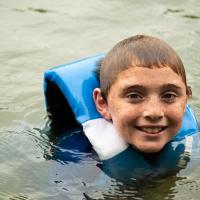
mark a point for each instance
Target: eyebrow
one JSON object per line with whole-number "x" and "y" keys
{"x": 134, "y": 87}
{"x": 171, "y": 86}
{"x": 139, "y": 87}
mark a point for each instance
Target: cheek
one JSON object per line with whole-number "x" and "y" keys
{"x": 122, "y": 113}
{"x": 124, "y": 120}
{"x": 175, "y": 116}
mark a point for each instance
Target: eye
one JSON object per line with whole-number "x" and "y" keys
{"x": 169, "y": 97}
{"x": 134, "y": 97}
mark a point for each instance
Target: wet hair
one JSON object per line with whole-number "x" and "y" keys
{"x": 138, "y": 51}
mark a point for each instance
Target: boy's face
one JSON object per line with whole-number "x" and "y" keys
{"x": 146, "y": 106}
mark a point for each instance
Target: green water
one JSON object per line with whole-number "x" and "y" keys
{"x": 36, "y": 35}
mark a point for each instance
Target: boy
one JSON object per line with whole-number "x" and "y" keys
{"x": 143, "y": 92}
{"x": 142, "y": 99}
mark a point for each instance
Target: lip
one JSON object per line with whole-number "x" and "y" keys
{"x": 152, "y": 130}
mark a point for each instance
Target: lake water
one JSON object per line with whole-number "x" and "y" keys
{"x": 36, "y": 35}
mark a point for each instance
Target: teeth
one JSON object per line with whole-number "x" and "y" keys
{"x": 151, "y": 130}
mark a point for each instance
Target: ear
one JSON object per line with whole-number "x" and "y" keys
{"x": 101, "y": 104}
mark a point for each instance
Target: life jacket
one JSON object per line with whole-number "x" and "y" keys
{"x": 68, "y": 93}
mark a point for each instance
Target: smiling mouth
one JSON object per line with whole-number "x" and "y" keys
{"x": 152, "y": 130}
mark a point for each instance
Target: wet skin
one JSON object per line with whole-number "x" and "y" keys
{"x": 146, "y": 106}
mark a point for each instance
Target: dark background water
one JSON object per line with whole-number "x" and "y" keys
{"x": 36, "y": 35}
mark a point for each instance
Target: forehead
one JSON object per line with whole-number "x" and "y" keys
{"x": 148, "y": 77}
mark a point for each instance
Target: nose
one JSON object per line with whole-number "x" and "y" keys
{"x": 154, "y": 111}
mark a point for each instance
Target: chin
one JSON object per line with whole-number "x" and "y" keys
{"x": 149, "y": 148}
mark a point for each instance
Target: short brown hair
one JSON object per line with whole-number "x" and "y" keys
{"x": 138, "y": 51}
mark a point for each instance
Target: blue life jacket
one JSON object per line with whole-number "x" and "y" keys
{"x": 68, "y": 93}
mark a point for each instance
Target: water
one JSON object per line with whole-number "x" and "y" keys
{"x": 36, "y": 35}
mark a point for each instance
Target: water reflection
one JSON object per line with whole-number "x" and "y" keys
{"x": 191, "y": 16}
{"x": 114, "y": 179}
{"x": 156, "y": 189}
{"x": 174, "y": 11}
